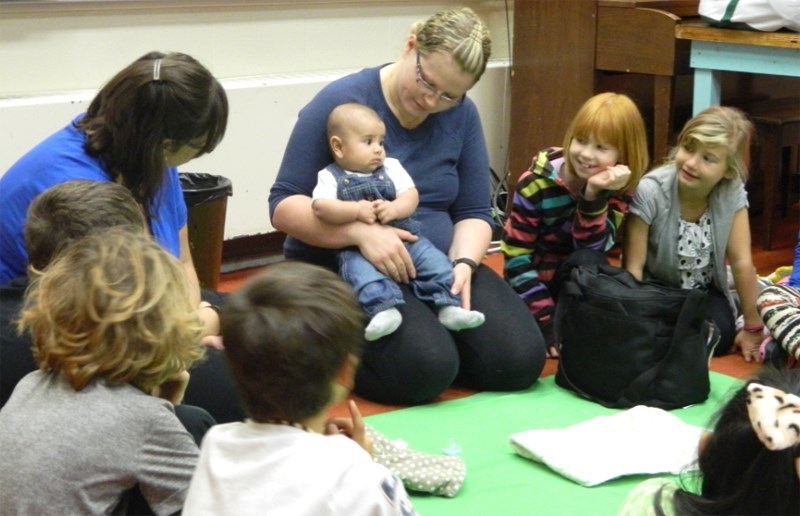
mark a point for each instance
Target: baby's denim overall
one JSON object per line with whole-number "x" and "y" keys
{"x": 375, "y": 291}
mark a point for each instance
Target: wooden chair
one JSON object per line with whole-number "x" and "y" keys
{"x": 777, "y": 124}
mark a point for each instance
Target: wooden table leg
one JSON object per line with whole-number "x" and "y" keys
{"x": 663, "y": 90}
{"x": 769, "y": 164}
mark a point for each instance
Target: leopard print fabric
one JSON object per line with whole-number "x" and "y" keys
{"x": 775, "y": 416}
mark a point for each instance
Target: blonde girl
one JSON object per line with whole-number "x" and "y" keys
{"x": 689, "y": 217}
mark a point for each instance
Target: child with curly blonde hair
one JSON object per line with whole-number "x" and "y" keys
{"x": 114, "y": 333}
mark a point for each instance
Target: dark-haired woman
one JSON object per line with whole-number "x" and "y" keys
{"x": 161, "y": 111}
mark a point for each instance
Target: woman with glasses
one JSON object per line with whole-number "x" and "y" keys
{"x": 160, "y": 112}
{"x": 433, "y": 128}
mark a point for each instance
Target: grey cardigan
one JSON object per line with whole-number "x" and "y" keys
{"x": 656, "y": 203}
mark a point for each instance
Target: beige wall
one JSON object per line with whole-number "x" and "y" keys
{"x": 67, "y": 46}
{"x": 55, "y": 47}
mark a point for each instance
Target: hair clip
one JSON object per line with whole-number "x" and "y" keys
{"x": 775, "y": 417}
{"x": 157, "y": 70}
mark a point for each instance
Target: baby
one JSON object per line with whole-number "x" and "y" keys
{"x": 364, "y": 185}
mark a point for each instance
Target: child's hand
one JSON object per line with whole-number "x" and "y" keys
{"x": 749, "y": 343}
{"x": 212, "y": 341}
{"x": 366, "y": 212}
{"x": 209, "y": 315}
{"x": 385, "y": 210}
{"x": 174, "y": 388}
{"x": 611, "y": 179}
{"x": 352, "y": 427}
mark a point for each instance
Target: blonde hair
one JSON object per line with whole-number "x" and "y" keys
{"x": 613, "y": 119}
{"x": 459, "y": 32}
{"x": 720, "y": 126}
{"x": 113, "y": 306}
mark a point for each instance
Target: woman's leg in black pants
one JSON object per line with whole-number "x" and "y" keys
{"x": 195, "y": 420}
{"x": 507, "y": 352}
{"x": 414, "y": 364}
{"x": 421, "y": 359}
{"x": 212, "y": 387}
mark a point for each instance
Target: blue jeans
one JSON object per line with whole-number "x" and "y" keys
{"x": 376, "y": 292}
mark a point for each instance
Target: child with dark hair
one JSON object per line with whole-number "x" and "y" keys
{"x": 293, "y": 337}
{"x": 57, "y": 219}
{"x": 114, "y": 334}
{"x": 362, "y": 184}
{"x": 749, "y": 464}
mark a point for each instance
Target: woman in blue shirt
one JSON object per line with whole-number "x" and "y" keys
{"x": 161, "y": 111}
{"x": 435, "y": 131}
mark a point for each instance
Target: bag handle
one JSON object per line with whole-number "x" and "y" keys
{"x": 685, "y": 317}
{"x": 571, "y": 289}
{"x": 563, "y": 373}
{"x": 694, "y": 299}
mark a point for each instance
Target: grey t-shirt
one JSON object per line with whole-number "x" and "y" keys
{"x": 76, "y": 452}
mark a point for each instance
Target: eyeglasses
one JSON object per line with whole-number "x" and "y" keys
{"x": 442, "y": 97}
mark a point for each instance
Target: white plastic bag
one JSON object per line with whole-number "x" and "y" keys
{"x": 763, "y": 15}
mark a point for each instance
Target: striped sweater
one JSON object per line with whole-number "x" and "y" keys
{"x": 547, "y": 223}
{"x": 779, "y": 306}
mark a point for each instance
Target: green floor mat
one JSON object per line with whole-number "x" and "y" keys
{"x": 499, "y": 482}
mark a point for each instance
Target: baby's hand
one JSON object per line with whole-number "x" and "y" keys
{"x": 366, "y": 212}
{"x": 385, "y": 210}
{"x": 612, "y": 179}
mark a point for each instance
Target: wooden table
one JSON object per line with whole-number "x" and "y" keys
{"x": 714, "y": 50}
{"x": 563, "y": 49}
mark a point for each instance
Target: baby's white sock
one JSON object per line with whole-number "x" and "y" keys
{"x": 456, "y": 318}
{"x": 383, "y": 323}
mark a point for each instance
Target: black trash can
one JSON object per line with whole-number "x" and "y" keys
{"x": 206, "y": 197}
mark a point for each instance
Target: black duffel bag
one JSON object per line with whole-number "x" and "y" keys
{"x": 626, "y": 342}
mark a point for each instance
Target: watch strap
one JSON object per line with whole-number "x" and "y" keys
{"x": 468, "y": 261}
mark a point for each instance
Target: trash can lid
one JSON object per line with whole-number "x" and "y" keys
{"x": 199, "y": 187}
